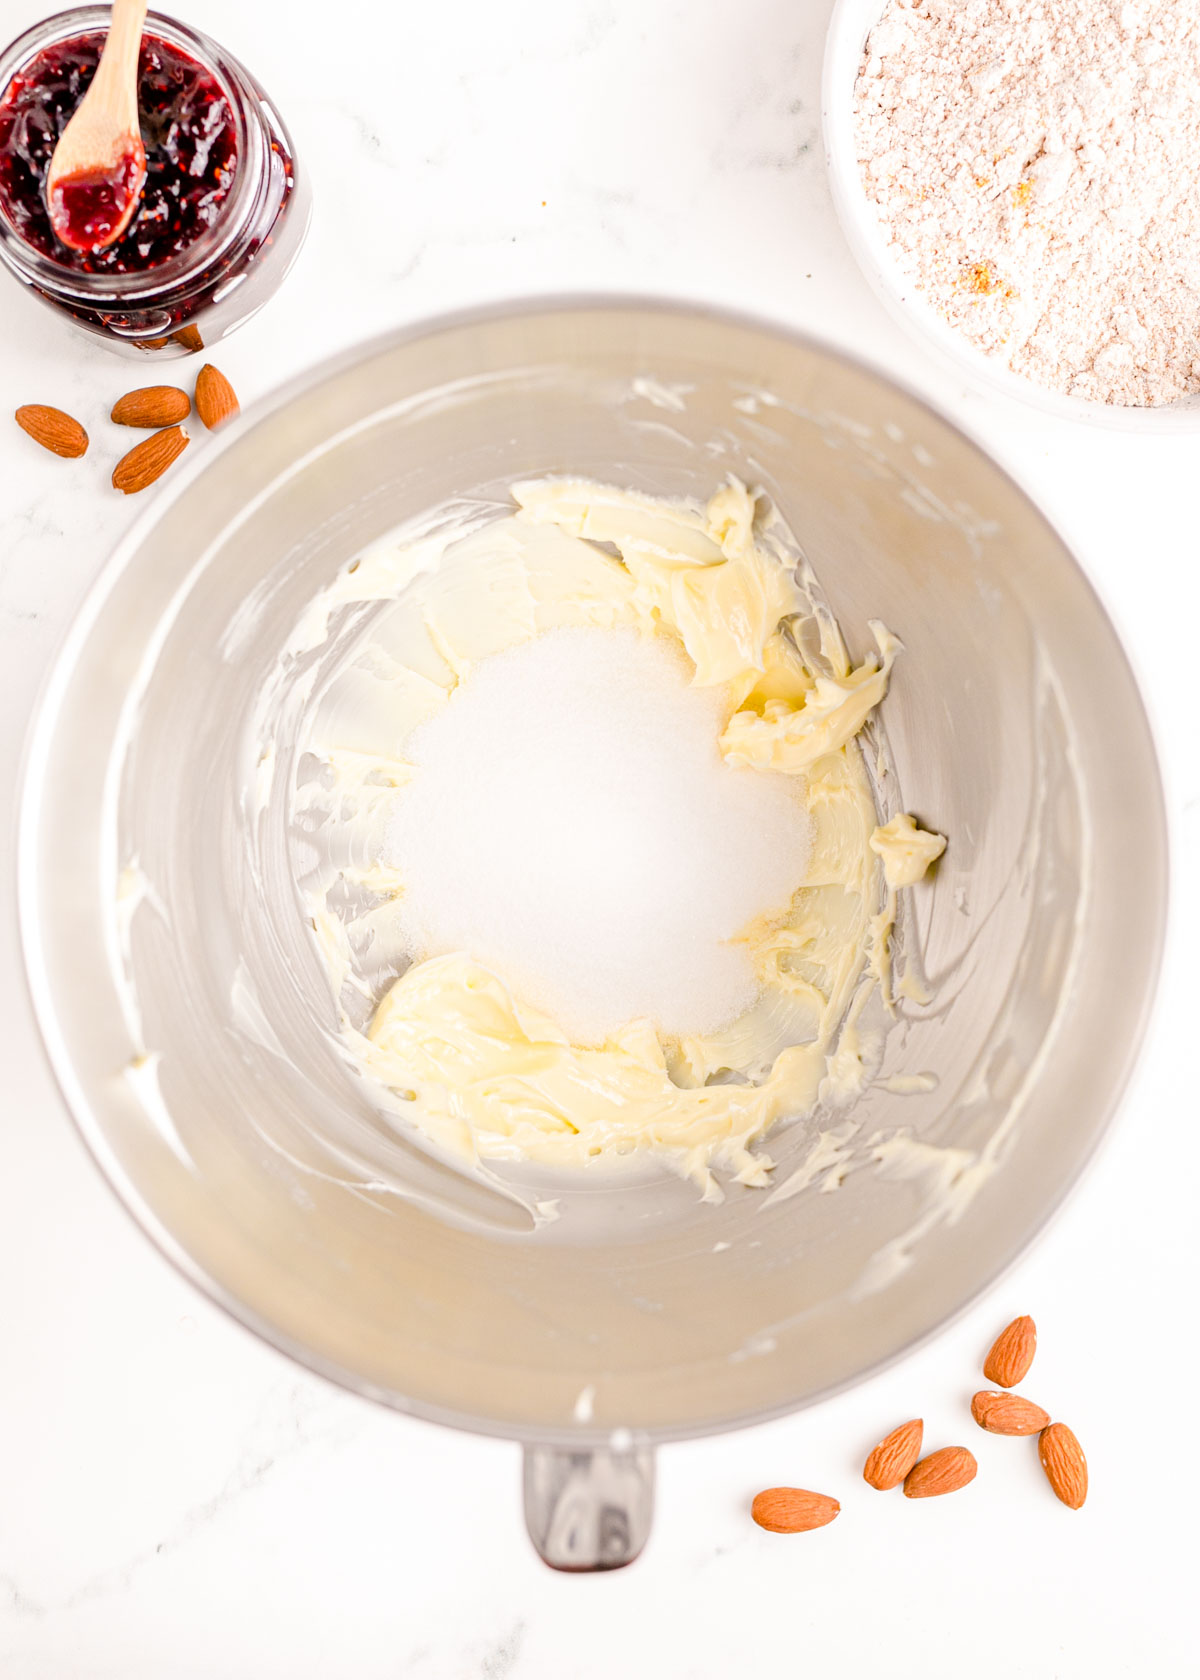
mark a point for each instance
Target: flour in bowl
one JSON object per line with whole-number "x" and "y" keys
{"x": 1034, "y": 166}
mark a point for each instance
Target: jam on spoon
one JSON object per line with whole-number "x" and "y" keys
{"x": 99, "y": 164}
{"x": 88, "y": 211}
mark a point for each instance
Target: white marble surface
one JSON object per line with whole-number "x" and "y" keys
{"x": 177, "y": 1501}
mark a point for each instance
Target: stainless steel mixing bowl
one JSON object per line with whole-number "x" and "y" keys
{"x": 257, "y": 1161}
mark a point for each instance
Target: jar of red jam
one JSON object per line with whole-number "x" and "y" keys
{"x": 221, "y": 217}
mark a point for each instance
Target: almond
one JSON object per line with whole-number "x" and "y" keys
{"x": 53, "y": 429}
{"x": 785, "y": 1510}
{"x": 189, "y": 337}
{"x": 889, "y": 1462}
{"x": 215, "y": 398}
{"x": 148, "y": 460}
{"x": 944, "y": 1471}
{"x": 1065, "y": 1466}
{"x": 1008, "y": 1414}
{"x": 1011, "y": 1353}
{"x": 152, "y": 406}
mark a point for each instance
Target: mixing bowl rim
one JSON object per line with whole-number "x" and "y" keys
{"x": 37, "y": 756}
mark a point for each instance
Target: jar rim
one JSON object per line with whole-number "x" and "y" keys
{"x": 178, "y": 270}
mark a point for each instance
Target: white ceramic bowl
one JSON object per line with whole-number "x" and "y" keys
{"x": 851, "y": 23}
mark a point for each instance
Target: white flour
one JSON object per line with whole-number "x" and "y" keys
{"x": 1036, "y": 167}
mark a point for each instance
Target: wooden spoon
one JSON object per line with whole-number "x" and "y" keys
{"x": 99, "y": 165}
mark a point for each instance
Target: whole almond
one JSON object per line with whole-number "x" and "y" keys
{"x": 148, "y": 460}
{"x": 944, "y": 1471}
{"x": 216, "y": 400}
{"x": 785, "y": 1510}
{"x": 1011, "y": 1353}
{"x": 53, "y": 429}
{"x": 189, "y": 337}
{"x": 889, "y": 1462}
{"x": 152, "y": 406}
{"x": 1008, "y": 1414}
{"x": 1065, "y": 1466}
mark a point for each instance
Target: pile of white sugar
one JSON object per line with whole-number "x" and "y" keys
{"x": 1036, "y": 167}
{"x": 573, "y": 827}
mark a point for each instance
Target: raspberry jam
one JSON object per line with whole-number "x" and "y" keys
{"x": 87, "y": 210}
{"x": 219, "y": 219}
{"x": 187, "y": 129}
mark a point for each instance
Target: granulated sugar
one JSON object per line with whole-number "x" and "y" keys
{"x": 1034, "y": 165}
{"x": 573, "y": 827}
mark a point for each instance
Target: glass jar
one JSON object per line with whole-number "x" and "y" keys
{"x": 200, "y": 293}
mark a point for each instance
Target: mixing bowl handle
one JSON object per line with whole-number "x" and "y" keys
{"x": 589, "y": 1509}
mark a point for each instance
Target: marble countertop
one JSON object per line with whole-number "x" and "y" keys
{"x": 177, "y": 1500}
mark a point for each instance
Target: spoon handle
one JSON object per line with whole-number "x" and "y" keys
{"x": 116, "y": 78}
